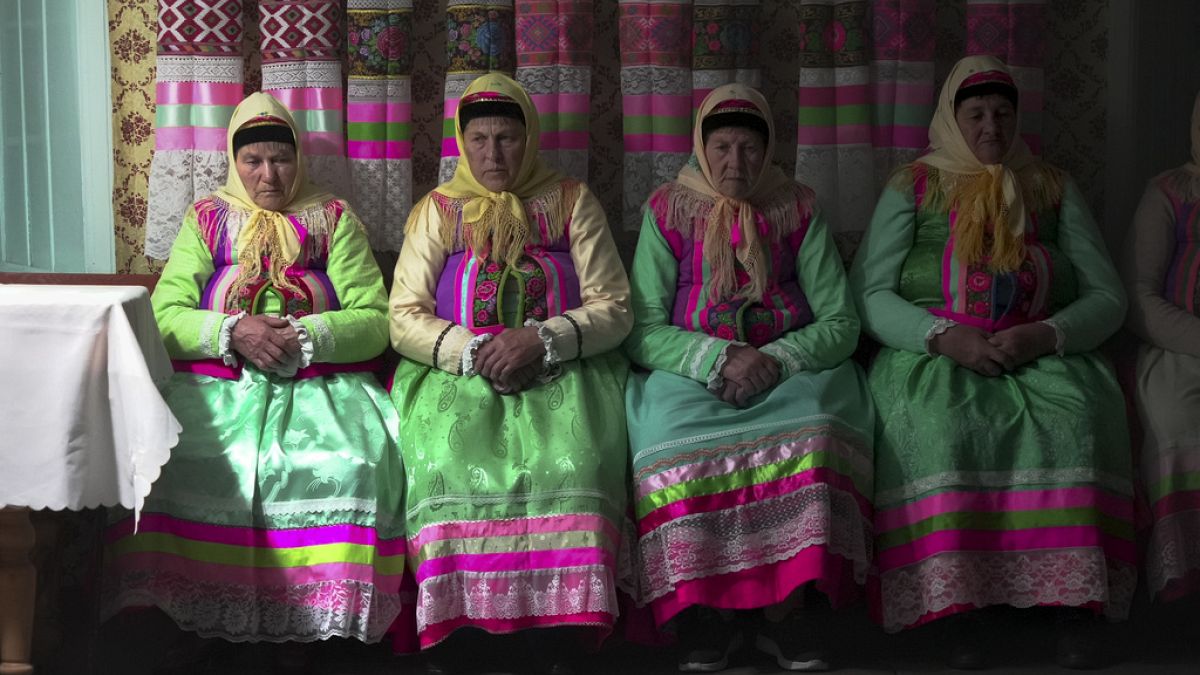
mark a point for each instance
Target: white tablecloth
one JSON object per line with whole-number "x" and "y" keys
{"x": 82, "y": 423}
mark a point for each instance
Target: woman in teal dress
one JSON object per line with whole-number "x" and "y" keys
{"x": 1002, "y": 460}
{"x": 508, "y": 303}
{"x": 277, "y": 516}
{"x": 751, "y": 433}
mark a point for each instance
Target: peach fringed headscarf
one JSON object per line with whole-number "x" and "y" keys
{"x": 983, "y": 195}
{"x": 734, "y": 227}
{"x": 268, "y": 234}
{"x": 497, "y": 222}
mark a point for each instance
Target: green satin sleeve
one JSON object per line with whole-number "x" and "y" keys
{"x": 187, "y": 332}
{"x": 1099, "y": 309}
{"x": 654, "y": 342}
{"x": 833, "y": 333}
{"x": 358, "y": 331}
{"x": 875, "y": 275}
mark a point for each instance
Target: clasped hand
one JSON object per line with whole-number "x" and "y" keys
{"x": 511, "y": 360}
{"x": 747, "y": 372}
{"x": 994, "y": 353}
{"x": 266, "y": 341}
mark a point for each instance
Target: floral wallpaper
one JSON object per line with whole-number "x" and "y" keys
{"x": 1073, "y": 123}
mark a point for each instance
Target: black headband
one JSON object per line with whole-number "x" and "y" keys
{"x": 262, "y": 133}
{"x": 489, "y": 109}
{"x": 985, "y": 89}
{"x": 734, "y": 119}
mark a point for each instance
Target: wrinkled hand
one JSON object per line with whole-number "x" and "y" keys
{"x": 522, "y": 379}
{"x": 1024, "y": 343}
{"x": 507, "y": 358}
{"x": 265, "y": 340}
{"x": 747, "y": 373}
{"x": 969, "y": 347}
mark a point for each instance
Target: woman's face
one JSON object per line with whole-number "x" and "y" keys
{"x": 267, "y": 171}
{"x": 495, "y": 147}
{"x": 735, "y": 158}
{"x": 988, "y": 124}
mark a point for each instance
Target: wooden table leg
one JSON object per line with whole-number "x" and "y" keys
{"x": 18, "y": 581}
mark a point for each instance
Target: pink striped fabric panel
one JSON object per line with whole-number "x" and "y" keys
{"x": 479, "y": 39}
{"x": 199, "y": 71}
{"x": 656, "y": 91}
{"x": 301, "y": 67}
{"x": 724, "y": 45}
{"x": 379, "y": 116}
{"x": 554, "y": 64}
{"x": 865, "y": 98}
{"x": 1014, "y": 30}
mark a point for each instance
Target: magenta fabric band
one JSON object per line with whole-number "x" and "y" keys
{"x": 378, "y": 111}
{"x": 600, "y": 621}
{"x": 323, "y": 142}
{"x": 449, "y": 147}
{"x": 217, "y": 368}
{"x": 1003, "y": 500}
{"x": 564, "y": 140}
{"x": 1045, "y": 538}
{"x": 208, "y": 139}
{"x": 379, "y": 149}
{"x": 657, "y": 143}
{"x": 309, "y": 98}
{"x": 561, "y": 103}
{"x": 658, "y": 105}
{"x": 1177, "y": 502}
{"x": 198, "y": 93}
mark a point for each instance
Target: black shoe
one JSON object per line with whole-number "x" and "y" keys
{"x": 1082, "y": 640}
{"x": 706, "y": 640}
{"x": 965, "y": 639}
{"x": 797, "y": 642}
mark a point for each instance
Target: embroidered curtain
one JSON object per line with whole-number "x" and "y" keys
{"x": 374, "y": 84}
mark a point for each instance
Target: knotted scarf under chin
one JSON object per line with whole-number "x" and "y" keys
{"x": 733, "y": 228}
{"x": 266, "y": 234}
{"x": 989, "y": 200}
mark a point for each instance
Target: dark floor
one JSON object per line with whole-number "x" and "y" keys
{"x": 1164, "y": 640}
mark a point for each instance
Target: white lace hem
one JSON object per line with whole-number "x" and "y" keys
{"x": 715, "y": 380}
{"x": 1060, "y": 336}
{"x": 940, "y": 325}
{"x": 225, "y": 340}
{"x": 468, "y": 354}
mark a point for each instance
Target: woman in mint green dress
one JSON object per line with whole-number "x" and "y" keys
{"x": 751, "y": 431}
{"x": 1002, "y": 460}
{"x": 277, "y": 517}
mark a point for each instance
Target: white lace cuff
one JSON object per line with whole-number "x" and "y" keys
{"x": 715, "y": 379}
{"x": 1060, "y": 336}
{"x": 790, "y": 358}
{"x": 940, "y": 325}
{"x": 468, "y": 353}
{"x": 225, "y": 341}
{"x": 307, "y": 348}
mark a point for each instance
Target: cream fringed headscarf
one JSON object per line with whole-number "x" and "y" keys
{"x": 983, "y": 195}
{"x": 268, "y": 234}
{"x": 496, "y": 222}
{"x": 772, "y": 209}
{"x": 1185, "y": 180}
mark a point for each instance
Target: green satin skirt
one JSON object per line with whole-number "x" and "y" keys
{"x": 277, "y": 516}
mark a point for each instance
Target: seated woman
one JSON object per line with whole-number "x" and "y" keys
{"x": 1002, "y": 465}
{"x": 1160, "y": 273}
{"x": 276, "y": 517}
{"x": 509, "y": 299}
{"x": 751, "y": 434}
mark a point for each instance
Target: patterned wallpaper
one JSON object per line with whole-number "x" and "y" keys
{"x": 1074, "y": 120}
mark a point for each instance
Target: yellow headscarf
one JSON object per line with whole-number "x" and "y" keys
{"x": 982, "y": 194}
{"x": 497, "y": 221}
{"x": 262, "y": 233}
{"x": 772, "y": 201}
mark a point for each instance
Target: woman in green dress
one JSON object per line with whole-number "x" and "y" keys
{"x": 1002, "y": 460}
{"x": 508, "y": 303}
{"x": 751, "y": 433}
{"x": 276, "y": 517}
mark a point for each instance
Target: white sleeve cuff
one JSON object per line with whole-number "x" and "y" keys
{"x": 715, "y": 380}
{"x": 468, "y": 353}
{"x": 307, "y": 349}
{"x": 1060, "y": 336}
{"x": 225, "y": 341}
{"x": 940, "y": 325}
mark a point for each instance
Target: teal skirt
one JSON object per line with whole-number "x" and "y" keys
{"x": 277, "y": 516}
{"x": 514, "y": 502}
{"x": 739, "y": 507}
